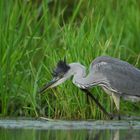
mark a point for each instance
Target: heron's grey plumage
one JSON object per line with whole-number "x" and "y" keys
{"x": 111, "y": 73}
{"x": 118, "y": 78}
{"x": 121, "y": 76}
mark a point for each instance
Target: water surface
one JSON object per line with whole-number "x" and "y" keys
{"x": 69, "y": 130}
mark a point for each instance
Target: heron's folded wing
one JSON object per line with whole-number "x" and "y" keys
{"x": 121, "y": 76}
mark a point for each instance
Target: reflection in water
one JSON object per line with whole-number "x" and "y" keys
{"x": 95, "y": 134}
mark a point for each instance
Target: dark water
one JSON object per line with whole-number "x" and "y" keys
{"x": 69, "y": 130}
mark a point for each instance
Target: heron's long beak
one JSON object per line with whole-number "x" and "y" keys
{"x": 48, "y": 85}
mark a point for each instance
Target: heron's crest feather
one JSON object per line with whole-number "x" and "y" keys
{"x": 62, "y": 68}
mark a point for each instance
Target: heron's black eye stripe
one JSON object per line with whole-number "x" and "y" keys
{"x": 55, "y": 74}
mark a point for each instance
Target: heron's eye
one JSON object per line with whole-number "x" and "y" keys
{"x": 61, "y": 75}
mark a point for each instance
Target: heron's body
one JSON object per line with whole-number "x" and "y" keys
{"x": 118, "y": 78}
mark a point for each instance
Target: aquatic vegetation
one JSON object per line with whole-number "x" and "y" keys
{"x": 35, "y": 35}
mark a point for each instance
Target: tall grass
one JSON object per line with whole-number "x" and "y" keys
{"x": 34, "y": 35}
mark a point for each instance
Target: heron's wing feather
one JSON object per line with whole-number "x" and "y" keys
{"x": 121, "y": 76}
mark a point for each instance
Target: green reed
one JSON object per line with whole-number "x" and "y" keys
{"x": 35, "y": 35}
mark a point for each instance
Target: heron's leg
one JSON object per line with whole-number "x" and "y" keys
{"x": 116, "y": 99}
{"x": 98, "y": 104}
{"x": 111, "y": 104}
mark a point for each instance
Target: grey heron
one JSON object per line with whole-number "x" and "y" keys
{"x": 118, "y": 78}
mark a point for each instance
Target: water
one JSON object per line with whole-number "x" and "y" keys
{"x": 69, "y": 130}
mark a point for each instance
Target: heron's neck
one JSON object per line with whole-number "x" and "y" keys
{"x": 79, "y": 75}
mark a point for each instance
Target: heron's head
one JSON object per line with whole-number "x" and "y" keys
{"x": 60, "y": 74}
